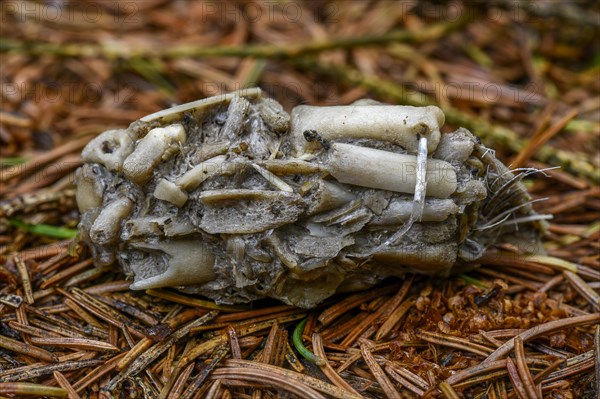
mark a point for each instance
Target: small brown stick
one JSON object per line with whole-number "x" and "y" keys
{"x": 513, "y": 374}
{"x": 75, "y": 343}
{"x": 24, "y": 273}
{"x": 54, "y": 262}
{"x": 542, "y": 329}
{"x": 483, "y": 379}
{"x": 523, "y": 370}
{"x": 29, "y": 389}
{"x": 358, "y": 329}
{"x": 190, "y": 301}
{"x": 129, "y": 309}
{"x": 326, "y": 367}
{"x": 583, "y": 289}
{"x": 378, "y": 373}
{"x": 454, "y": 342}
{"x": 65, "y": 384}
{"x": 270, "y": 377}
{"x": 29, "y": 350}
{"x": 251, "y": 314}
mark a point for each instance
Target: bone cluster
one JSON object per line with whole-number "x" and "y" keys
{"x": 235, "y": 199}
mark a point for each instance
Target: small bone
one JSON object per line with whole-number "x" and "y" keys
{"x": 391, "y": 123}
{"x": 272, "y": 179}
{"x": 328, "y": 196}
{"x": 455, "y": 146}
{"x": 368, "y": 167}
{"x": 273, "y": 114}
{"x": 237, "y": 111}
{"x": 291, "y": 166}
{"x": 89, "y": 188}
{"x": 399, "y": 210}
{"x": 192, "y": 179}
{"x": 140, "y": 164}
{"x": 419, "y": 198}
{"x": 255, "y": 210}
{"x": 107, "y": 226}
{"x": 189, "y": 262}
{"x": 109, "y": 149}
{"x": 169, "y": 191}
{"x": 198, "y": 107}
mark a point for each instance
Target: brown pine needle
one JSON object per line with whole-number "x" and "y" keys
{"x": 65, "y": 384}
{"x": 517, "y": 384}
{"x": 448, "y": 391}
{"x": 378, "y": 373}
{"x": 523, "y": 370}
{"x": 30, "y": 350}
{"x": 268, "y": 377}
{"x": 75, "y": 343}
{"x": 539, "y": 140}
{"x": 399, "y": 377}
{"x": 29, "y": 389}
{"x": 22, "y": 268}
{"x": 454, "y": 342}
{"x": 394, "y": 318}
{"x": 584, "y": 289}
{"x": 304, "y": 379}
{"x": 326, "y": 367}
{"x": 544, "y": 329}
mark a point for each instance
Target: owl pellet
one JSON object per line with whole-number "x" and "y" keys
{"x": 232, "y": 198}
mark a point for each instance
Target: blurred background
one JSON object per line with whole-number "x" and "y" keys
{"x": 508, "y": 70}
{"x": 522, "y": 75}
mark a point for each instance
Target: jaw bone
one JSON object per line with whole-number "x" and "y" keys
{"x": 189, "y": 262}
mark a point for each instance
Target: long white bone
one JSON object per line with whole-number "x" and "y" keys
{"x": 368, "y": 167}
{"x": 391, "y": 123}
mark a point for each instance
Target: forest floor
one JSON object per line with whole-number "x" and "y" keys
{"x": 523, "y": 76}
